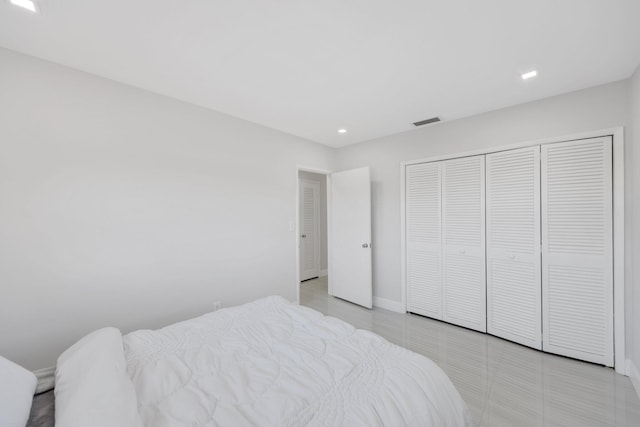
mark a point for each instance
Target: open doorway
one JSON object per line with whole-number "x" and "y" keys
{"x": 344, "y": 235}
{"x": 313, "y": 264}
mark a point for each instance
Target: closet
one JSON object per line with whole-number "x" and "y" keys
{"x": 516, "y": 243}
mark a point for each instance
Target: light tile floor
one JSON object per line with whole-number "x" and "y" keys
{"x": 504, "y": 384}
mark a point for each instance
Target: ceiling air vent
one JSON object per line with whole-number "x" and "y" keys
{"x": 427, "y": 121}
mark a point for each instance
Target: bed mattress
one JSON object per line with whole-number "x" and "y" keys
{"x": 274, "y": 363}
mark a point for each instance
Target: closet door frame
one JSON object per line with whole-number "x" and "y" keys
{"x": 617, "y": 135}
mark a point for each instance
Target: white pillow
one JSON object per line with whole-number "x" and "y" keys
{"x": 92, "y": 386}
{"x": 17, "y": 386}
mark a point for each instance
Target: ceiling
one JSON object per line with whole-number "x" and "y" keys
{"x": 309, "y": 68}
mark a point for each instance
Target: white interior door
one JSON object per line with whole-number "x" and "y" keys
{"x": 350, "y": 236}
{"x": 577, "y": 252}
{"x": 514, "y": 297}
{"x": 309, "y": 229}
{"x": 463, "y": 233}
{"x": 424, "y": 239}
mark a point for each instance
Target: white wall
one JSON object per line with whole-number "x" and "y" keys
{"x": 322, "y": 179}
{"x": 633, "y": 152}
{"x": 590, "y": 109}
{"x": 121, "y": 207}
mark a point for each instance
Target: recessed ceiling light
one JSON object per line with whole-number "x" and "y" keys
{"x": 26, "y": 4}
{"x": 529, "y": 75}
{"x": 342, "y": 131}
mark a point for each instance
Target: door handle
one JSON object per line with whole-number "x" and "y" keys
{"x": 303, "y": 236}
{"x": 365, "y": 245}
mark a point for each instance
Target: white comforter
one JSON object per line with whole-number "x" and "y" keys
{"x": 273, "y": 363}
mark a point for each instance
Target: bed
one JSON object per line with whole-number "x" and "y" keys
{"x": 269, "y": 362}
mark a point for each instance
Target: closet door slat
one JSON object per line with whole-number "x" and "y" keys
{"x": 424, "y": 239}
{"x": 513, "y": 246}
{"x": 463, "y": 226}
{"x": 577, "y": 254}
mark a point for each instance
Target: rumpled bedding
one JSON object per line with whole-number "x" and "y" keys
{"x": 274, "y": 363}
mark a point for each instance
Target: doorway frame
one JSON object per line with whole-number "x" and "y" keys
{"x": 327, "y": 173}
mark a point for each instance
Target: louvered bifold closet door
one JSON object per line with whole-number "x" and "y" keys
{"x": 463, "y": 234}
{"x": 424, "y": 239}
{"x": 577, "y": 263}
{"x": 514, "y": 298}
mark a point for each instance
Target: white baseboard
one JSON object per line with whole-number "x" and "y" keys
{"x": 46, "y": 379}
{"x": 323, "y": 273}
{"x": 388, "y": 304}
{"x": 634, "y": 375}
